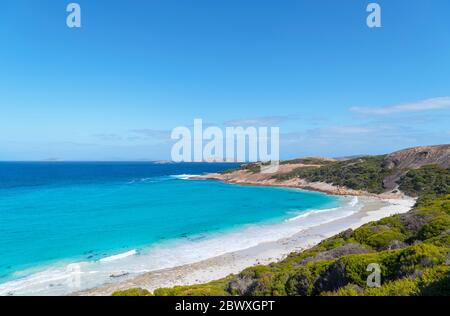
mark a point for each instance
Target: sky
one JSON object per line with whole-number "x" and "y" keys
{"x": 115, "y": 88}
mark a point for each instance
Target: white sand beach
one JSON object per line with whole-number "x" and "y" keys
{"x": 370, "y": 208}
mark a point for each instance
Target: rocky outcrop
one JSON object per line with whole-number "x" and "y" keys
{"x": 395, "y": 244}
{"x": 414, "y": 221}
{"x": 298, "y": 284}
{"x": 332, "y": 279}
{"x": 414, "y": 158}
{"x": 242, "y": 285}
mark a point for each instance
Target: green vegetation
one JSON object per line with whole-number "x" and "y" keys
{"x": 132, "y": 292}
{"x": 365, "y": 173}
{"x": 428, "y": 180}
{"x": 214, "y": 288}
{"x": 368, "y": 173}
{"x": 252, "y": 167}
{"x": 307, "y": 161}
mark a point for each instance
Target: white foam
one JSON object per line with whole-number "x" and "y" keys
{"x": 312, "y": 212}
{"x": 184, "y": 176}
{"x": 354, "y": 201}
{"x": 344, "y": 211}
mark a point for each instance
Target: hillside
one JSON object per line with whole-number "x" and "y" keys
{"x": 400, "y": 162}
{"x": 414, "y": 158}
{"x": 383, "y": 174}
{"x": 412, "y": 249}
{"x": 364, "y": 173}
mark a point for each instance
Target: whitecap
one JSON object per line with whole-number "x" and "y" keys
{"x": 184, "y": 176}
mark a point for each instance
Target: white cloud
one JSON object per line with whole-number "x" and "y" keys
{"x": 424, "y": 105}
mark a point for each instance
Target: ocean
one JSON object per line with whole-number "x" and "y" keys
{"x": 118, "y": 219}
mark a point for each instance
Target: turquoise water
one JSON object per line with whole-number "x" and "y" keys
{"x": 83, "y": 219}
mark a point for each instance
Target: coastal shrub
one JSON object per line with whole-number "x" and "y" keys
{"x": 348, "y": 290}
{"x": 361, "y": 234}
{"x": 294, "y": 258}
{"x": 430, "y": 179}
{"x": 300, "y": 283}
{"x": 214, "y": 288}
{"x": 132, "y": 292}
{"x": 253, "y": 167}
{"x": 356, "y": 267}
{"x": 419, "y": 257}
{"x": 364, "y": 173}
{"x": 300, "y": 172}
{"x": 369, "y": 173}
{"x": 331, "y": 243}
{"x": 319, "y": 267}
{"x": 379, "y": 235}
{"x": 393, "y": 222}
{"x": 278, "y": 285}
{"x": 435, "y": 227}
{"x": 432, "y": 281}
{"x": 443, "y": 240}
{"x": 307, "y": 161}
{"x": 436, "y": 281}
{"x": 433, "y": 203}
{"x": 383, "y": 238}
{"x": 262, "y": 280}
{"x": 258, "y": 281}
{"x": 402, "y": 287}
{"x": 331, "y": 279}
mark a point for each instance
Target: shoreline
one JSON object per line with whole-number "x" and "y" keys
{"x": 373, "y": 207}
{"x": 242, "y": 177}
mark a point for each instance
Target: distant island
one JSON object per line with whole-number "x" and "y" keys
{"x": 412, "y": 248}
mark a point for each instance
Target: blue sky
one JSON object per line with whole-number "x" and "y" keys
{"x": 114, "y": 89}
